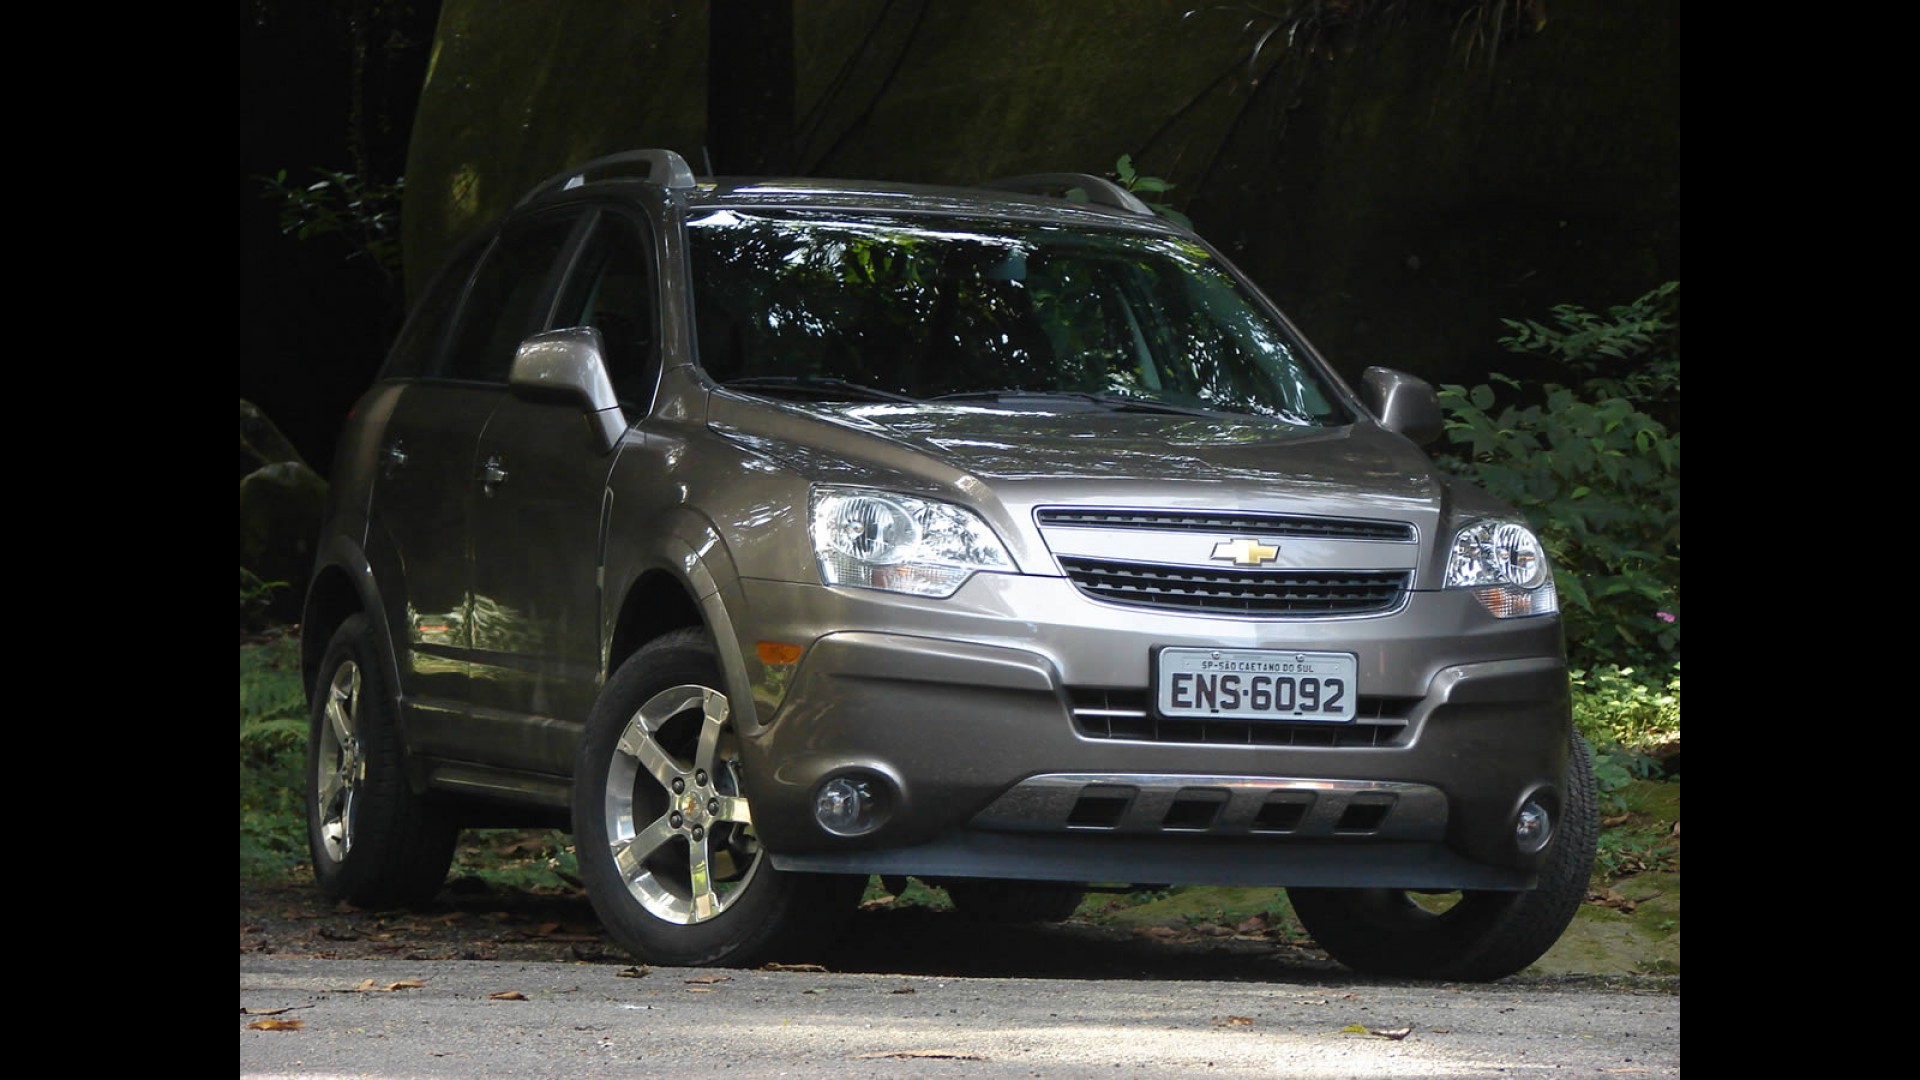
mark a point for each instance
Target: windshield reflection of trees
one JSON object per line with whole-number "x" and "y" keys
{"x": 928, "y": 309}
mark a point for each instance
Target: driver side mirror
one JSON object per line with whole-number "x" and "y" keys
{"x": 569, "y": 366}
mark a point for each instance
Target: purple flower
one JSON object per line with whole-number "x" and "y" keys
{"x": 1664, "y": 616}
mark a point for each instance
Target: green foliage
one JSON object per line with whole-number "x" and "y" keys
{"x": 532, "y": 860}
{"x": 1636, "y": 849}
{"x": 255, "y": 595}
{"x": 364, "y": 214}
{"x": 1628, "y": 707}
{"x": 1148, "y": 185}
{"x": 1632, "y": 352}
{"x": 1597, "y": 476}
{"x": 1632, "y": 719}
{"x": 273, "y": 733}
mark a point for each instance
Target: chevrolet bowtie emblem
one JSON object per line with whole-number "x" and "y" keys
{"x": 1245, "y": 552}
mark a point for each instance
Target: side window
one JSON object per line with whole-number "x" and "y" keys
{"x": 611, "y": 290}
{"x": 416, "y": 352}
{"x": 506, "y": 301}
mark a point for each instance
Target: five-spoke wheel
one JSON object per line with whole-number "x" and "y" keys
{"x": 375, "y": 842}
{"x": 664, "y": 830}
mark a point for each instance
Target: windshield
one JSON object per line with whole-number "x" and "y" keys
{"x": 922, "y": 308}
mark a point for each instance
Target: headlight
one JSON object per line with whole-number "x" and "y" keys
{"x": 880, "y": 540}
{"x": 1505, "y": 566}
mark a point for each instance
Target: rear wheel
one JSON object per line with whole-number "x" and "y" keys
{"x": 1471, "y": 935}
{"x": 665, "y": 833}
{"x": 374, "y": 842}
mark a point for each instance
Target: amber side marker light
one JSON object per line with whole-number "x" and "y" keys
{"x": 778, "y": 653}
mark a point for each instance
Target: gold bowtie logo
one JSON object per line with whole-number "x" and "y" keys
{"x": 1245, "y": 552}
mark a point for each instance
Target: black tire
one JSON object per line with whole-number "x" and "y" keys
{"x": 375, "y": 843}
{"x": 661, "y": 721}
{"x": 1014, "y": 901}
{"x": 1483, "y": 935}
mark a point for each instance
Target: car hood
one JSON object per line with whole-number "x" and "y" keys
{"x": 1071, "y": 443}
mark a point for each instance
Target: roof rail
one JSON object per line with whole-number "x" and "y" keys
{"x": 663, "y": 167}
{"x": 1099, "y": 189}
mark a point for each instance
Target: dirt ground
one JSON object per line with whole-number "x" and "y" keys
{"x": 472, "y": 920}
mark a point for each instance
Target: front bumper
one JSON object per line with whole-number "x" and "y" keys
{"x": 992, "y": 736}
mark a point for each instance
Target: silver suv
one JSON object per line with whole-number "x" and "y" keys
{"x": 775, "y": 535}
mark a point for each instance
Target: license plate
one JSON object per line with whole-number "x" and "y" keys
{"x": 1257, "y": 684}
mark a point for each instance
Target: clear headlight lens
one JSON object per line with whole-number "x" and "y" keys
{"x": 882, "y": 540}
{"x": 1503, "y": 562}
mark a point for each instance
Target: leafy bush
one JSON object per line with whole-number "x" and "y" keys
{"x": 256, "y": 595}
{"x": 364, "y": 214}
{"x": 1639, "y": 711}
{"x": 273, "y": 734}
{"x": 1596, "y": 474}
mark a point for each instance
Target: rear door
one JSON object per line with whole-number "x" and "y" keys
{"x": 428, "y": 495}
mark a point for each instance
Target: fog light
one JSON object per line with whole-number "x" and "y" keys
{"x": 1533, "y": 828}
{"x": 844, "y": 806}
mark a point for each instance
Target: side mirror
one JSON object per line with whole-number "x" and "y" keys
{"x": 1402, "y": 403}
{"x": 568, "y": 366}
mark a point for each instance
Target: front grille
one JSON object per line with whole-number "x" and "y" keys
{"x": 1231, "y": 522}
{"x": 1125, "y": 715}
{"x": 1239, "y": 592}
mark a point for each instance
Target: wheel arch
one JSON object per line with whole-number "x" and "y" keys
{"x": 343, "y": 586}
{"x": 685, "y": 576}
{"x": 656, "y": 603}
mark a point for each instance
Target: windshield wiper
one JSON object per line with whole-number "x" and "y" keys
{"x": 1116, "y": 402}
{"x": 818, "y": 386}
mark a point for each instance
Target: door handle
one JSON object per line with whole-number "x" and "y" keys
{"x": 393, "y": 458}
{"x": 492, "y": 475}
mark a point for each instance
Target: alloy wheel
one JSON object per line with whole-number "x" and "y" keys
{"x": 678, "y": 827}
{"x": 341, "y": 761}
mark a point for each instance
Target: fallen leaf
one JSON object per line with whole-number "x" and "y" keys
{"x": 544, "y": 929}
{"x": 507, "y": 995}
{"x": 1354, "y": 1029}
{"x": 1253, "y": 925}
{"x": 406, "y": 984}
{"x": 791, "y": 967}
{"x": 1395, "y": 1034}
{"x": 708, "y": 990}
{"x": 951, "y": 1054}
{"x": 1611, "y": 898}
{"x": 275, "y": 1025}
{"x": 1162, "y": 932}
{"x": 640, "y": 972}
{"x": 903, "y": 990}
{"x": 1676, "y": 828}
{"x": 1617, "y": 819}
{"x": 265, "y": 1012}
{"x": 706, "y": 979}
{"x": 1234, "y": 1021}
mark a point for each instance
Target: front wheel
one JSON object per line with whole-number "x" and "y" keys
{"x": 1474, "y": 936}
{"x": 664, "y": 830}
